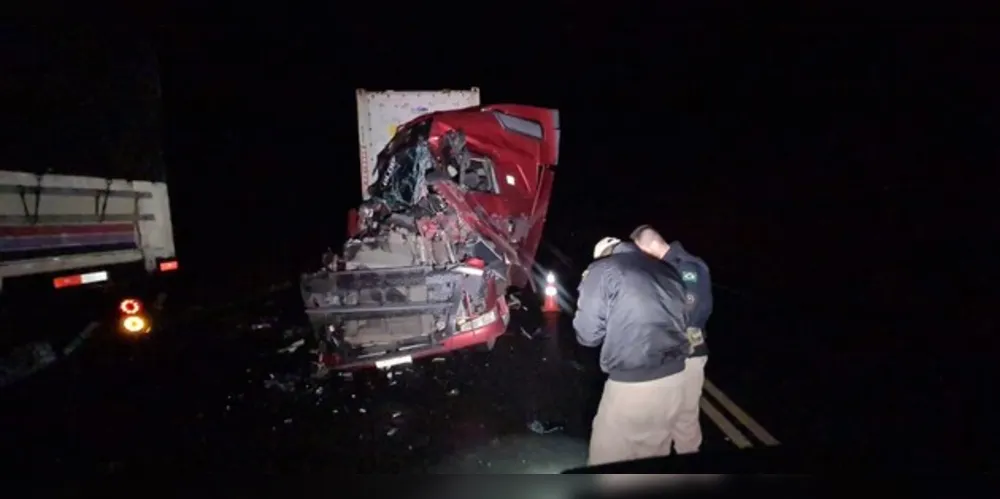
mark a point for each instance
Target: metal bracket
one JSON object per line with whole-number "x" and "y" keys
{"x": 37, "y": 191}
{"x": 150, "y": 262}
{"x": 101, "y": 209}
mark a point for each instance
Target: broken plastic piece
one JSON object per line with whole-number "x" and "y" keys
{"x": 293, "y": 347}
{"x": 25, "y": 361}
{"x": 540, "y": 428}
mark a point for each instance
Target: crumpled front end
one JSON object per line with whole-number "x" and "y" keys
{"x": 415, "y": 275}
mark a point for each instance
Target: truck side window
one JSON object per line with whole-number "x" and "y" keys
{"x": 479, "y": 176}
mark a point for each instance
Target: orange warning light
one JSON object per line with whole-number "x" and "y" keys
{"x": 135, "y": 324}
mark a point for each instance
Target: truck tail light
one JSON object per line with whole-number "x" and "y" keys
{"x": 132, "y": 320}
{"x": 130, "y": 306}
{"x": 135, "y": 324}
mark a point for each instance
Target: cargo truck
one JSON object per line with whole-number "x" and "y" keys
{"x": 85, "y": 225}
{"x": 78, "y": 228}
{"x": 455, "y": 196}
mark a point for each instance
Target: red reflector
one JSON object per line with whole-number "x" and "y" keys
{"x": 130, "y": 306}
{"x": 65, "y": 282}
{"x": 476, "y": 263}
{"x": 76, "y": 280}
{"x": 171, "y": 265}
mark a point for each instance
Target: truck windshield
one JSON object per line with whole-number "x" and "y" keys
{"x": 401, "y": 167}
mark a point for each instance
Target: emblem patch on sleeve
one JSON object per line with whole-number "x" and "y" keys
{"x": 689, "y": 276}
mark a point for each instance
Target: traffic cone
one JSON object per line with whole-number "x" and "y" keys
{"x": 550, "y": 303}
{"x": 550, "y": 324}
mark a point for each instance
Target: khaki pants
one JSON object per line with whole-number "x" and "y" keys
{"x": 636, "y": 420}
{"x": 687, "y": 431}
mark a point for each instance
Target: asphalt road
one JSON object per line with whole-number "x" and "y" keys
{"x": 209, "y": 390}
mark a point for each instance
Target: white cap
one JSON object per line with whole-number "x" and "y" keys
{"x": 604, "y": 244}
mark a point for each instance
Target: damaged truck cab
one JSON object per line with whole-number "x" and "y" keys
{"x": 456, "y": 205}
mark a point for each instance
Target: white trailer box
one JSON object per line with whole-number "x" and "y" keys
{"x": 380, "y": 112}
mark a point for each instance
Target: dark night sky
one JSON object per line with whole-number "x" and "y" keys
{"x": 784, "y": 154}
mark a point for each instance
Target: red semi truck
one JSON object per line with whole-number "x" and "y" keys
{"x": 453, "y": 211}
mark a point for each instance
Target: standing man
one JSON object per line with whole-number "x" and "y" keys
{"x": 632, "y": 306}
{"x": 698, "y": 295}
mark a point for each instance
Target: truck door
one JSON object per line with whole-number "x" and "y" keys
{"x": 508, "y": 182}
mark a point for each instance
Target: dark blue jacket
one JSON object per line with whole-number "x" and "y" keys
{"x": 698, "y": 289}
{"x": 634, "y": 304}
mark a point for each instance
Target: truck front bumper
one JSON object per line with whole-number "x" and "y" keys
{"x": 406, "y": 354}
